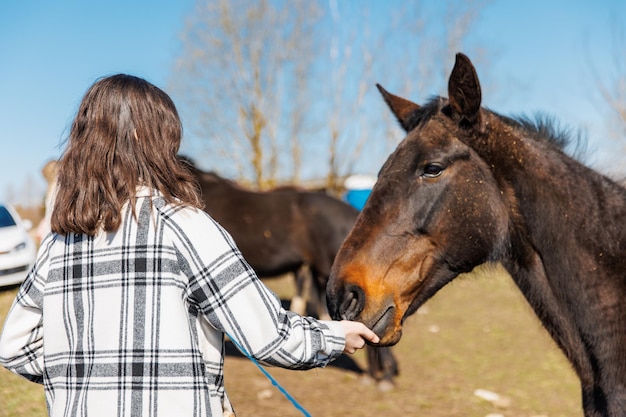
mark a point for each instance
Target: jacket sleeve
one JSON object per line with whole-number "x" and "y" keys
{"x": 21, "y": 340}
{"x": 225, "y": 289}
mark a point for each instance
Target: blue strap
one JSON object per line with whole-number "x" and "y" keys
{"x": 274, "y": 382}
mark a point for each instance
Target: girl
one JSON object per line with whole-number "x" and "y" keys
{"x": 127, "y": 306}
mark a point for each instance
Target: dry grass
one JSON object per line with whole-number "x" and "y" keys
{"x": 478, "y": 332}
{"x": 18, "y": 397}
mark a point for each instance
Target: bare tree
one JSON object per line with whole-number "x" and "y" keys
{"x": 345, "y": 92}
{"x": 241, "y": 60}
{"x": 613, "y": 87}
{"x": 432, "y": 33}
{"x": 277, "y": 88}
{"x": 416, "y": 39}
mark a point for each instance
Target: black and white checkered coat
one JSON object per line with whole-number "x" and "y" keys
{"x": 132, "y": 323}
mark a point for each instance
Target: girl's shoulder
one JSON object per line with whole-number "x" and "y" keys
{"x": 180, "y": 212}
{"x": 188, "y": 219}
{"x": 191, "y": 227}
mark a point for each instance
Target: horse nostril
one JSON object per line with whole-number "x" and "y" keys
{"x": 352, "y": 303}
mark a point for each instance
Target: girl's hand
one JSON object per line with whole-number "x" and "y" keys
{"x": 356, "y": 335}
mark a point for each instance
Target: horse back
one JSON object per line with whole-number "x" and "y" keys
{"x": 328, "y": 221}
{"x": 263, "y": 224}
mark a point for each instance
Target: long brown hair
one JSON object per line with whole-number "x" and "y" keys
{"x": 126, "y": 133}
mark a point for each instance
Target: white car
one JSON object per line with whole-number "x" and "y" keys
{"x": 17, "y": 248}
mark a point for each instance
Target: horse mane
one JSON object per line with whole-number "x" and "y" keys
{"x": 189, "y": 161}
{"x": 540, "y": 127}
{"x": 543, "y": 127}
{"x": 214, "y": 176}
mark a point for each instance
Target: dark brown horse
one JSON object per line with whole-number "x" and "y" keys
{"x": 289, "y": 230}
{"x": 468, "y": 186}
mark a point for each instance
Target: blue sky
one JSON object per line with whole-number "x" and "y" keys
{"x": 51, "y": 52}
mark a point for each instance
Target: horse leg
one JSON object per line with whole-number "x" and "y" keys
{"x": 322, "y": 309}
{"x": 303, "y": 290}
{"x": 382, "y": 366}
{"x": 318, "y": 295}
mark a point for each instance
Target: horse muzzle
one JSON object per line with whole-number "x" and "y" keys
{"x": 350, "y": 303}
{"x": 345, "y": 303}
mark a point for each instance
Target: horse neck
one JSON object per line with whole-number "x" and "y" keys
{"x": 215, "y": 182}
{"x": 562, "y": 207}
{"x": 568, "y": 238}
{"x": 553, "y": 195}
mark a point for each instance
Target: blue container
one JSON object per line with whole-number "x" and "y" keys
{"x": 358, "y": 189}
{"x": 357, "y": 198}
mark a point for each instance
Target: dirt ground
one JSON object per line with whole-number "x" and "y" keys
{"x": 476, "y": 334}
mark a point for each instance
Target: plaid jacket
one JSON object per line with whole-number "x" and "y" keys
{"x": 132, "y": 323}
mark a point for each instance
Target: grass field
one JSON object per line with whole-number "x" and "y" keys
{"x": 477, "y": 333}
{"x": 18, "y": 397}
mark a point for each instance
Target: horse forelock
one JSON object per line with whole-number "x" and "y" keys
{"x": 426, "y": 112}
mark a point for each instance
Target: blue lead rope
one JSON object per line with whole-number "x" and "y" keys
{"x": 271, "y": 378}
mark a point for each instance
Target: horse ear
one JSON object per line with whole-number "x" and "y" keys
{"x": 464, "y": 89}
{"x": 400, "y": 107}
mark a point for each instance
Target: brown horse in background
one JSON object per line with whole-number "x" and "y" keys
{"x": 289, "y": 230}
{"x": 468, "y": 186}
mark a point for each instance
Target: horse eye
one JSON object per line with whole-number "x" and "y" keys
{"x": 432, "y": 170}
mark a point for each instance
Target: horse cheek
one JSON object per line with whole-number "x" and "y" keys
{"x": 473, "y": 234}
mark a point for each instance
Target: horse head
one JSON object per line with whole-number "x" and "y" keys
{"x": 435, "y": 211}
